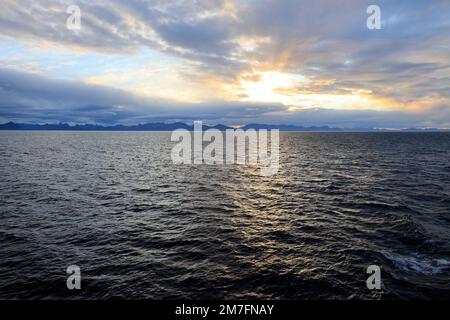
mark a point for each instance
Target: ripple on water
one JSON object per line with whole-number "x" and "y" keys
{"x": 140, "y": 227}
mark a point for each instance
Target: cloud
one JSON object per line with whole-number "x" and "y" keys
{"x": 403, "y": 67}
{"x": 34, "y": 98}
{"x": 28, "y": 97}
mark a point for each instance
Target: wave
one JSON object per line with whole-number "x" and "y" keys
{"x": 418, "y": 263}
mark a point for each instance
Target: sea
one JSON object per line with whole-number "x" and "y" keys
{"x": 139, "y": 226}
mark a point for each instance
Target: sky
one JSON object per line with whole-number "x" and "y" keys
{"x": 224, "y": 61}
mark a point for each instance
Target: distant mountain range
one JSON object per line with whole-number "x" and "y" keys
{"x": 180, "y": 125}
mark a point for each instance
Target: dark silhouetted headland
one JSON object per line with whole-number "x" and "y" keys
{"x": 158, "y": 126}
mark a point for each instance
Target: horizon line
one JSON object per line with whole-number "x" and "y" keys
{"x": 165, "y": 126}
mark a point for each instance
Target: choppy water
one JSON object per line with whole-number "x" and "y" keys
{"x": 140, "y": 227}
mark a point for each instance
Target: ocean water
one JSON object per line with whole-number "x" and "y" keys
{"x": 140, "y": 227}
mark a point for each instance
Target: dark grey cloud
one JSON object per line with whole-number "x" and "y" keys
{"x": 30, "y": 97}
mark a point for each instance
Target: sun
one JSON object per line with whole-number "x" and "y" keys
{"x": 286, "y": 88}
{"x": 260, "y": 86}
